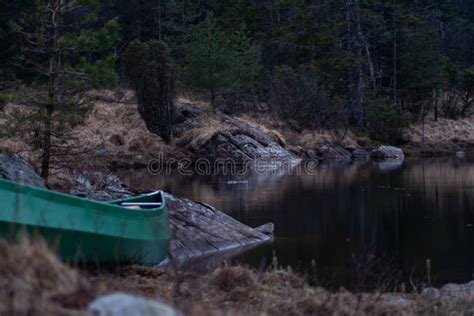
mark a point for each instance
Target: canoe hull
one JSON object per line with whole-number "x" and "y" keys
{"x": 80, "y": 247}
{"x": 84, "y": 231}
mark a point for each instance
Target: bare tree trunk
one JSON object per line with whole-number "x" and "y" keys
{"x": 394, "y": 54}
{"x": 358, "y": 75}
{"x": 54, "y": 61}
{"x": 438, "y": 53}
{"x": 213, "y": 100}
{"x": 159, "y": 21}
{"x": 423, "y": 127}
{"x": 138, "y": 20}
{"x": 47, "y": 131}
{"x": 466, "y": 104}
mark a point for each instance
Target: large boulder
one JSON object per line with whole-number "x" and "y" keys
{"x": 241, "y": 148}
{"x": 334, "y": 153}
{"x": 122, "y": 304}
{"x": 387, "y": 152}
{"x": 253, "y": 132}
{"x": 15, "y": 168}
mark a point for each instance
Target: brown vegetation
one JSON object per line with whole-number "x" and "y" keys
{"x": 35, "y": 282}
{"x": 236, "y": 290}
{"x": 113, "y": 135}
{"x": 441, "y": 137}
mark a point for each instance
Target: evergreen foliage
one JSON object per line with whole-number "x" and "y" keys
{"x": 151, "y": 71}
{"x": 63, "y": 54}
{"x": 373, "y": 58}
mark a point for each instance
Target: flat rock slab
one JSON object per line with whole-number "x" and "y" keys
{"x": 201, "y": 230}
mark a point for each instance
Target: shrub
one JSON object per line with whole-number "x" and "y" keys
{"x": 384, "y": 123}
{"x": 152, "y": 74}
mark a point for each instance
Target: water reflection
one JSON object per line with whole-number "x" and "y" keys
{"x": 406, "y": 212}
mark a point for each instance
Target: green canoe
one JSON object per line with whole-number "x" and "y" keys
{"x": 130, "y": 230}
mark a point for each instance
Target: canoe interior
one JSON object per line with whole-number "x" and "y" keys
{"x": 151, "y": 201}
{"x": 83, "y": 230}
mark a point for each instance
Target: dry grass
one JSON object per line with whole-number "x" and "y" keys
{"x": 190, "y": 99}
{"x": 313, "y": 139}
{"x": 235, "y": 290}
{"x": 34, "y": 282}
{"x": 443, "y": 135}
{"x": 113, "y": 132}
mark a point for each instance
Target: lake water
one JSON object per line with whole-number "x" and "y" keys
{"x": 363, "y": 224}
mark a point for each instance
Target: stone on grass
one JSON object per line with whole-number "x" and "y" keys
{"x": 122, "y": 304}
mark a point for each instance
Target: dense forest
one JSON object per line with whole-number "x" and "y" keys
{"x": 371, "y": 65}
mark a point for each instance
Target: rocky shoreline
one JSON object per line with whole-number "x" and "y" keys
{"x": 116, "y": 138}
{"x": 198, "y": 229}
{"x": 203, "y": 237}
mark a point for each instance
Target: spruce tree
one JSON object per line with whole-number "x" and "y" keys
{"x": 219, "y": 61}
{"x": 66, "y": 54}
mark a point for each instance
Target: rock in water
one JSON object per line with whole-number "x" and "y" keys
{"x": 241, "y": 148}
{"x": 334, "y": 153}
{"x": 361, "y": 153}
{"x": 14, "y": 168}
{"x": 237, "y": 142}
{"x": 122, "y": 304}
{"x": 387, "y": 152}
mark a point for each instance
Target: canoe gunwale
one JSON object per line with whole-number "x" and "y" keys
{"x": 99, "y": 208}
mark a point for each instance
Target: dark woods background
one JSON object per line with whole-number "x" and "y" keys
{"x": 373, "y": 65}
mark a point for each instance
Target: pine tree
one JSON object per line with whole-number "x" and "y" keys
{"x": 211, "y": 59}
{"x": 219, "y": 61}
{"x": 66, "y": 56}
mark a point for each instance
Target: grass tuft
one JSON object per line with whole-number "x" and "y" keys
{"x": 34, "y": 282}
{"x": 229, "y": 278}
